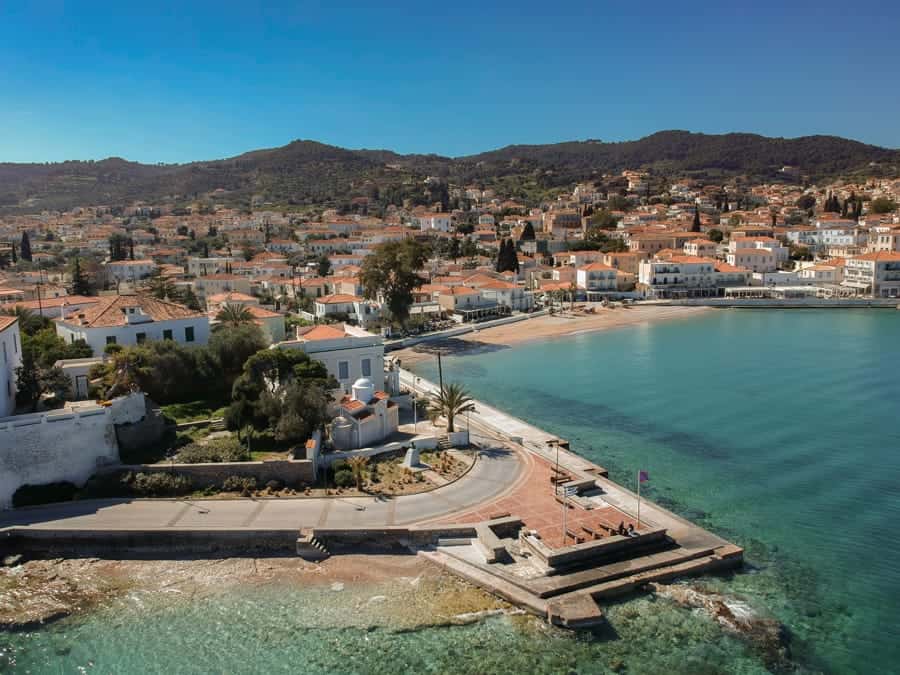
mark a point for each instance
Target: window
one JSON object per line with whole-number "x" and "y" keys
{"x": 141, "y": 338}
{"x": 189, "y": 334}
{"x": 367, "y": 367}
{"x": 110, "y": 339}
{"x": 167, "y": 334}
{"x": 343, "y": 370}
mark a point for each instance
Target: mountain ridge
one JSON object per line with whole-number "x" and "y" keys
{"x": 305, "y": 172}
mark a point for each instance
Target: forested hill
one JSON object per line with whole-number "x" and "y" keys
{"x": 307, "y": 172}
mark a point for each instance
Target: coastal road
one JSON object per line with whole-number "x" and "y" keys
{"x": 495, "y": 471}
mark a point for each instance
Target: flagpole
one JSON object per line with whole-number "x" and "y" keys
{"x": 565, "y": 499}
{"x": 639, "y": 500}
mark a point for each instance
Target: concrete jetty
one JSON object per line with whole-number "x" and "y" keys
{"x": 561, "y": 566}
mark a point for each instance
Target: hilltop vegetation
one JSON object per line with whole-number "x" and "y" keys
{"x": 306, "y": 172}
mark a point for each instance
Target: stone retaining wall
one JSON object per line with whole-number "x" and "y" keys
{"x": 119, "y": 543}
{"x": 291, "y": 472}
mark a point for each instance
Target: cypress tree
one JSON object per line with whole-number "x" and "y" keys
{"x": 695, "y": 227}
{"x": 25, "y": 247}
{"x": 131, "y": 249}
{"x": 80, "y": 285}
{"x": 14, "y": 259}
{"x": 528, "y": 232}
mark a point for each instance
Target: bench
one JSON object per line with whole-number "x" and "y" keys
{"x": 592, "y": 532}
{"x": 577, "y": 537}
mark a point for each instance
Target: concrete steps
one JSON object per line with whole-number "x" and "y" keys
{"x": 572, "y": 581}
{"x": 444, "y": 443}
{"x": 311, "y": 549}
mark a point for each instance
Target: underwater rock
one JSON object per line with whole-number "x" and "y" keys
{"x": 769, "y": 636}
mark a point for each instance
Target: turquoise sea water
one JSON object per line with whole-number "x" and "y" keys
{"x": 779, "y": 430}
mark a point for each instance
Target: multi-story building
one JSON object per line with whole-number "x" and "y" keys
{"x": 876, "y": 273}
{"x": 596, "y": 277}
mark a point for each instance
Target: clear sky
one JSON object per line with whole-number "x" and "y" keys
{"x": 177, "y": 81}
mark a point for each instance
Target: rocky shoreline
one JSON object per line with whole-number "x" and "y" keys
{"x": 34, "y": 593}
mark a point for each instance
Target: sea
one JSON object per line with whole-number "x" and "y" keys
{"x": 777, "y": 429}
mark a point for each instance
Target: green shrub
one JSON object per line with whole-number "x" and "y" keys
{"x": 160, "y": 485}
{"x": 344, "y": 478}
{"x": 240, "y": 484}
{"x": 216, "y": 450}
{"x": 32, "y": 495}
{"x": 112, "y": 484}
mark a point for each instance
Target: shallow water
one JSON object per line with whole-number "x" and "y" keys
{"x": 776, "y": 429}
{"x": 281, "y": 629}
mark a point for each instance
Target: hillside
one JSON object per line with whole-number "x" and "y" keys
{"x": 307, "y": 172}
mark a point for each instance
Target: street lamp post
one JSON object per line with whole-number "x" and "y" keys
{"x": 555, "y": 442}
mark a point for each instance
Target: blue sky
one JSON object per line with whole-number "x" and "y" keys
{"x": 178, "y": 81}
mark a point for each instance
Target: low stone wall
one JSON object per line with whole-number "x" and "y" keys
{"x": 589, "y": 550}
{"x": 291, "y": 472}
{"x": 121, "y": 543}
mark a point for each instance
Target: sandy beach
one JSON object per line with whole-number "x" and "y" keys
{"x": 546, "y": 327}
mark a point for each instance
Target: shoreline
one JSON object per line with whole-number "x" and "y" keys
{"x": 547, "y": 327}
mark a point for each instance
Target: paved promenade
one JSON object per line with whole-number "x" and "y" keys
{"x": 494, "y": 472}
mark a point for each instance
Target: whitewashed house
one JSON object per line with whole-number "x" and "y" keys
{"x": 348, "y": 352}
{"x": 133, "y": 319}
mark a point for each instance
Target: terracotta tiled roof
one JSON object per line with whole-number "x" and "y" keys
{"x": 112, "y": 311}
{"x": 7, "y": 321}
{"x": 313, "y": 333}
{"x": 337, "y": 299}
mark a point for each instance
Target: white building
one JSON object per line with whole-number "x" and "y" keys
{"x": 129, "y": 270}
{"x": 877, "y": 273}
{"x": 596, "y": 277}
{"x": 441, "y": 222}
{"x": 348, "y": 352}
{"x": 133, "y": 319}
{"x": 11, "y": 343}
{"x": 366, "y": 417}
{"x": 350, "y": 307}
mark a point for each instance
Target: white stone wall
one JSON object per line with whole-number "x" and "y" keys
{"x": 10, "y": 359}
{"x": 61, "y": 445}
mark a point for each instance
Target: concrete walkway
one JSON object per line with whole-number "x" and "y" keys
{"x": 495, "y": 471}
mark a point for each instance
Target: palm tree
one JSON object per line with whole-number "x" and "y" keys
{"x": 234, "y": 315}
{"x": 452, "y": 400}
{"x": 358, "y": 466}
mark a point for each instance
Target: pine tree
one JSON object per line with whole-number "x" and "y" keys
{"x": 25, "y": 247}
{"x": 695, "y": 227}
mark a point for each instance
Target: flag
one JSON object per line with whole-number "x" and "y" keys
{"x": 643, "y": 476}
